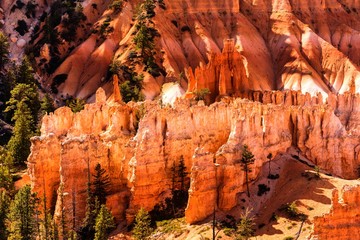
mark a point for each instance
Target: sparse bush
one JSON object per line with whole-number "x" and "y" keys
{"x": 200, "y": 94}
{"x": 76, "y": 104}
{"x": 288, "y": 238}
{"x": 293, "y": 212}
{"x": 245, "y": 227}
{"x": 116, "y": 6}
{"x": 273, "y": 176}
{"x": 317, "y": 172}
{"x": 22, "y": 27}
{"x": 274, "y": 217}
{"x": 263, "y": 188}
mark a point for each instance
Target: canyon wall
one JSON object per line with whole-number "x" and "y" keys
{"x": 343, "y": 220}
{"x": 139, "y": 159}
{"x": 295, "y": 45}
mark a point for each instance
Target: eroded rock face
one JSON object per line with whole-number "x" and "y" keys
{"x": 343, "y": 220}
{"x": 306, "y": 46}
{"x": 139, "y": 162}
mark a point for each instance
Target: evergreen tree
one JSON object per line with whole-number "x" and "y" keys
{"x": 87, "y": 228}
{"x": 7, "y": 79}
{"x": 6, "y": 181}
{"x": 101, "y": 184}
{"x": 22, "y": 223}
{"x": 54, "y": 231}
{"x": 19, "y": 143}
{"x": 144, "y": 39}
{"x": 24, "y": 73}
{"x": 245, "y": 227}
{"x": 104, "y": 223}
{"x": 142, "y": 228}
{"x": 4, "y": 209}
{"x": 4, "y": 50}
{"x": 182, "y": 173}
{"x": 76, "y": 104}
{"x": 72, "y": 235}
{"x": 246, "y": 160}
{"x": 97, "y": 191}
{"x": 26, "y": 94}
{"x": 47, "y": 105}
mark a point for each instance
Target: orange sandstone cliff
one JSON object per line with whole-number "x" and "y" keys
{"x": 343, "y": 220}
{"x": 139, "y": 160}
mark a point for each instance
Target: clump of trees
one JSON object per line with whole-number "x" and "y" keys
{"x": 98, "y": 220}
{"x": 145, "y": 33}
{"x": 174, "y": 207}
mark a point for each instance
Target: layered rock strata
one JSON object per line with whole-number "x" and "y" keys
{"x": 138, "y": 155}
{"x": 343, "y": 221}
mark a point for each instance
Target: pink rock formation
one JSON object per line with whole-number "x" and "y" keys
{"x": 225, "y": 75}
{"x": 139, "y": 162}
{"x": 343, "y": 221}
{"x": 306, "y": 46}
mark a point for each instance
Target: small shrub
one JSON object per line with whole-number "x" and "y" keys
{"x": 200, "y": 94}
{"x": 293, "y": 212}
{"x": 289, "y": 238}
{"x": 261, "y": 225}
{"x": 273, "y": 176}
{"x": 317, "y": 172}
{"x": 228, "y": 231}
{"x": 76, "y": 104}
{"x": 116, "y": 6}
{"x": 22, "y": 27}
{"x": 263, "y": 188}
{"x": 170, "y": 226}
{"x": 274, "y": 217}
{"x": 245, "y": 227}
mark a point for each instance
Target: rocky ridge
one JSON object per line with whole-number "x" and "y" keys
{"x": 286, "y": 44}
{"x": 139, "y": 160}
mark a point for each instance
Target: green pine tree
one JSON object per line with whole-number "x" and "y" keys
{"x": 76, "y": 104}
{"x": 245, "y": 227}
{"x": 97, "y": 190}
{"x": 24, "y": 73}
{"x": 100, "y": 184}
{"x": 47, "y": 104}
{"x": 104, "y": 223}
{"x": 4, "y": 209}
{"x": 4, "y": 50}
{"x": 28, "y": 95}
{"x": 54, "y": 231}
{"x": 182, "y": 173}
{"x": 72, "y": 235}
{"x": 22, "y": 217}
{"x": 246, "y": 160}
{"x": 6, "y": 181}
{"x": 142, "y": 228}
{"x": 19, "y": 143}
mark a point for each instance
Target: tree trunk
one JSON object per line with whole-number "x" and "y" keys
{"x": 247, "y": 180}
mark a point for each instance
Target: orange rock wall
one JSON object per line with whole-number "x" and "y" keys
{"x": 139, "y": 163}
{"x": 343, "y": 221}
